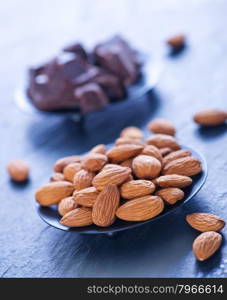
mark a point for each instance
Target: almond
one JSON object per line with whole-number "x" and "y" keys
{"x": 105, "y": 206}
{"x": 128, "y": 141}
{"x": 54, "y": 192}
{"x": 83, "y": 179}
{"x": 151, "y": 150}
{"x": 175, "y": 155}
{"x": 57, "y": 177}
{"x": 94, "y": 161}
{"x": 163, "y": 141}
{"x": 165, "y": 151}
{"x": 70, "y": 170}
{"x": 162, "y": 126}
{"x": 210, "y": 117}
{"x": 173, "y": 180}
{"x": 79, "y": 217}
{"x": 187, "y": 166}
{"x": 132, "y": 133}
{"x": 112, "y": 174}
{"x": 127, "y": 163}
{"x": 86, "y": 197}
{"x": 99, "y": 149}
{"x": 205, "y": 222}
{"x": 206, "y": 244}
{"x": 177, "y": 41}
{"x": 123, "y": 152}
{"x": 18, "y": 170}
{"x": 66, "y": 205}
{"x": 63, "y": 162}
{"x": 140, "y": 209}
{"x": 146, "y": 167}
{"x": 170, "y": 195}
{"x": 136, "y": 188}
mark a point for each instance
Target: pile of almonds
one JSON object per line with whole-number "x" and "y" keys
{"x": 132, "y": 181}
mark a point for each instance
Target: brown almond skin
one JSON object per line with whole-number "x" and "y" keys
{"x": 101, "y": 149}
{"x": 151, "y": 150}
{"x": 79, "y": 217}
{"x": 165, "y": 151}
{"x": 177, "y": 42}
{"x": 146, "y": 167}
{"x": 162, "y": 126}
{"x": 54, "y": 192}
{"x": 86, "y": 197}
{"x": 128, "y": 141}
{"x": 171, "y": 195}
{"x": 94, "y": 162}
{"x": 210, "y": 117}
{"x": 206, "y": 244}
{"x": 173, "y": 180}
{"x": 141, "y": 209}
{"x": 61, "y": 163}
{"x": 111, "y": 174}
{"x": 123, "y": 152}
{"x": 105, "y": 206}
{"x": 57, "y": 177}
{"x": 136, "y": 188}
{"x": 83, "y": 179}
{"x": 188, "y": 166}
{"x": 127, "y": 163}
{"x": 163, "y": 141}
{"x": 132, "y": 133}
{"x": 18, "y": 170}
{"x": 66, "y": 205}
{"x": 175, "y": 155}
{"x": 205, "y": 222}
{"x": 70, "y": 170}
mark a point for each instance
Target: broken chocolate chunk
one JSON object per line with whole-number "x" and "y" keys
{"x": 77, "y": 49}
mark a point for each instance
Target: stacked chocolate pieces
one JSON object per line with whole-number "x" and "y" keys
{"x": 78, "y": 80}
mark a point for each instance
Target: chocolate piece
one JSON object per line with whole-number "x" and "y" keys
{"x": 117, "y": 57}
{"x": 91, "y": 97}
{"x": 77, "y": 49}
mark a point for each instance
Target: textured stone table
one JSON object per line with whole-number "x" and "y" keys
{"x": 32, "y": 31}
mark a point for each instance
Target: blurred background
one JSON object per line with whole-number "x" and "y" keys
{"x": 33, "y": 31}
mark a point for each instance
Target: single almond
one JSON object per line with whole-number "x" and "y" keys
{"x": 105, "y": 206}
{"x": 70, "y": 170}
{"x": 132, "y": 133}
{"x": 177, "y": 41}
{"x": 187, "y": 166}
{"x": 175, "y": 155}
{"x": 18, "y": 170}
{"x": 205, "y": 222}
{"x": 165, "y": 151}
{"x": 61, "y": 163}
{"x": 136, "y": 188}
{"x": 210, "y": 117}
{"x": 57, "y": 177}
{"x": 99, "y": 149}
{"x": 128, "y": 141}
{"x": 163, "y": 141}
{"x": 94, "y": 162}
{"x": 171, "y": 195}
{"x": 79, "y": 217}
{"x": 146, "y": 167}
{"x": 83, "y": 179}
{"x": 162, "y": 126}
{"x": 54, "y": 192}
{"x": 206, "y": 244}
{"x": 66, "y": 205}
{"x": 151, "y": 150}
{"x": 140, "y": 209}
{"x": 86, "y": 197}
{"x": 127, "y": 163}
{"x": 123, "y": 152}
{"x": 173, "y": 180}
{"x": 111, "y": 174}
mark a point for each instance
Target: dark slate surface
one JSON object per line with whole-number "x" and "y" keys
{"x": 191, "y": 81}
